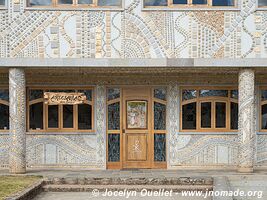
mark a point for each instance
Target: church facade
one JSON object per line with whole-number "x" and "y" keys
{"x": 163, "y": 84}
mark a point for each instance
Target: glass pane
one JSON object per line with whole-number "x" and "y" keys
{"x": 223, "y": 2}
{"x": 67, "y": 116}
{"x": 2, "y": 2}
{"x": 212, "y": 93}
{"x": 159, "y": 116}
{"x": 264, "y": 95}
{"x": 189, "y": 116}
{"x": 220, "y": 115}
{"x": 160, "y": 93}
{"x": 64, "y": 1}
{"x": 189, "y": 94}
{"x": 199, "y": 1}
{"x": 4, "y": 117}
{"x": 53, "y": 116}
{"x": 85, "y": 1}
{"x": 4, "y": 94}
{"x": 262, "y": 2}
{"x": 234, "y": 94}
{"x": 40, "y": 2}
{"x": 113, "y": 147}
{"x": 36, "y": 94}
{"x": 109, "y": 2}
{"x": 206, "y": 115}
{"x": 160, "y": 147}
{"x": 156, "y": 2}
{"x": 84, "y": 116}
{"x": 114, "y": 116}
{"x": 113, "y": 93}
{"x": 234, "y": 115}
{"x": 179, "y": 1}
{"x": 88, "y": 94}
{"x": 36, "y": 116}
{"x": 264, "y": 116}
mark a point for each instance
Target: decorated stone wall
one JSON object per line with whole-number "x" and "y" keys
{"x": 132, "y": 32}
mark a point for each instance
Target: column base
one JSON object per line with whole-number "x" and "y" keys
{"x": 245, "y": 169}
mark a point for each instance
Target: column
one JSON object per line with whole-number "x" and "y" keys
{"x": 247, "y": 125}
{"x": 17, "y": 118}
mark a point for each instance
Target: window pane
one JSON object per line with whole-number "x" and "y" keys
{"x": 2, "y": 2}
{"x": 199, "y": 1}
{"x": 85, "y": 1}
{"x": 159, "y": 116}
{"x": 113, "y": 147}
{"x": 40, "y": 2}
{"x": 262, "y": 2}
{"x": 113, "y": 93}
{"x": 67, "y": 116}
{"x": 189, "y": 116}
{"x": 84, "y": 116}
{"x": 4, "y": 94}
{"x": 36, "y": 94}
{"x": 179, "y": 1}
{"x": 109, "y": 2}
{"x": 223, "y": 2}
{"x": 212, "y": 93}
{"x": 114, "y": 116}
{"x": 53, "y": 116}
{"x": 4, "y": 117}
{"x": 189, "y": 94}
{"x": 264, "y": 116}
{"x": 234, "y": 115}
{"x": 264, "y": 95}
{"x": 160, "y": 147}
{"x": 64, "y": 1}
{"x": 234, "y": 94}
{"x": 155, "y": 3}
{"x": 220, "y": 115}
{"x": 160, "y": 93}
{"x": 206, "y": 115}
{"x": 36, "y": 116}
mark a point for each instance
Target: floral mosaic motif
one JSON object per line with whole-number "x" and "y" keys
{"x": 159, "y": 147}
{"x": 113, "y": 147}
{"x": 114, "y": 116}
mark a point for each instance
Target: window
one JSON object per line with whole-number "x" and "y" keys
{"x": 263, "y": 112}
{"x": 44, "y": 117}
{"x": 172, "y": 3}
{"x": 262, "y": 3}
{"x": 4, "y": 109}
{"x": 2, "y": 2}
{"x": 209, "y": 109}
{"x": 75, "y": 3}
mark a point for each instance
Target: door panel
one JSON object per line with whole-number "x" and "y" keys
{"x": 136, "y": 147}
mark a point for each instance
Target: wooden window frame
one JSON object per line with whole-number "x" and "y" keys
{"x": 213, "y": 100}
{"x": 190, "y": 4}
{"x": 260, "y": 109}
{"x": 75, "y": 4}
{"x": 60, "y": 109}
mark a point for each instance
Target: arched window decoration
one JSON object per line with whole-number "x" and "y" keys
{"x": 184, "y": 3}
{"x": 75, "y": 3}
{"x": 209, "y": 109}
{"x": 159, "y": 103}
{"x": 263, "y": 112}
{"x": 43, "y": 117}
{"x": 4, "y": 109}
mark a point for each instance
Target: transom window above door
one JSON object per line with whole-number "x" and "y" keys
{"x": 175, "y": 3}
{"x": 74, "y": 3}
{"x": 204, "y": 109}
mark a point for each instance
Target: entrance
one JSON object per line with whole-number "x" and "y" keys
{"x": 136, "y": 136}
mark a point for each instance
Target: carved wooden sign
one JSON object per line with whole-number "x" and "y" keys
{"x": 56, "y": 98}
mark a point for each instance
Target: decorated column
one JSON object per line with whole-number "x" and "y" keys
{"x": 246, "y": 120}
{"x": 17, "y": 110}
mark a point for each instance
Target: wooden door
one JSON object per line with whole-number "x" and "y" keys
{"x": 137, "y": 127}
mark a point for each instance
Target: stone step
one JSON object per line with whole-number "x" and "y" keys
{"x": 131, "y": 181}
{"x": 137, "y": 188}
